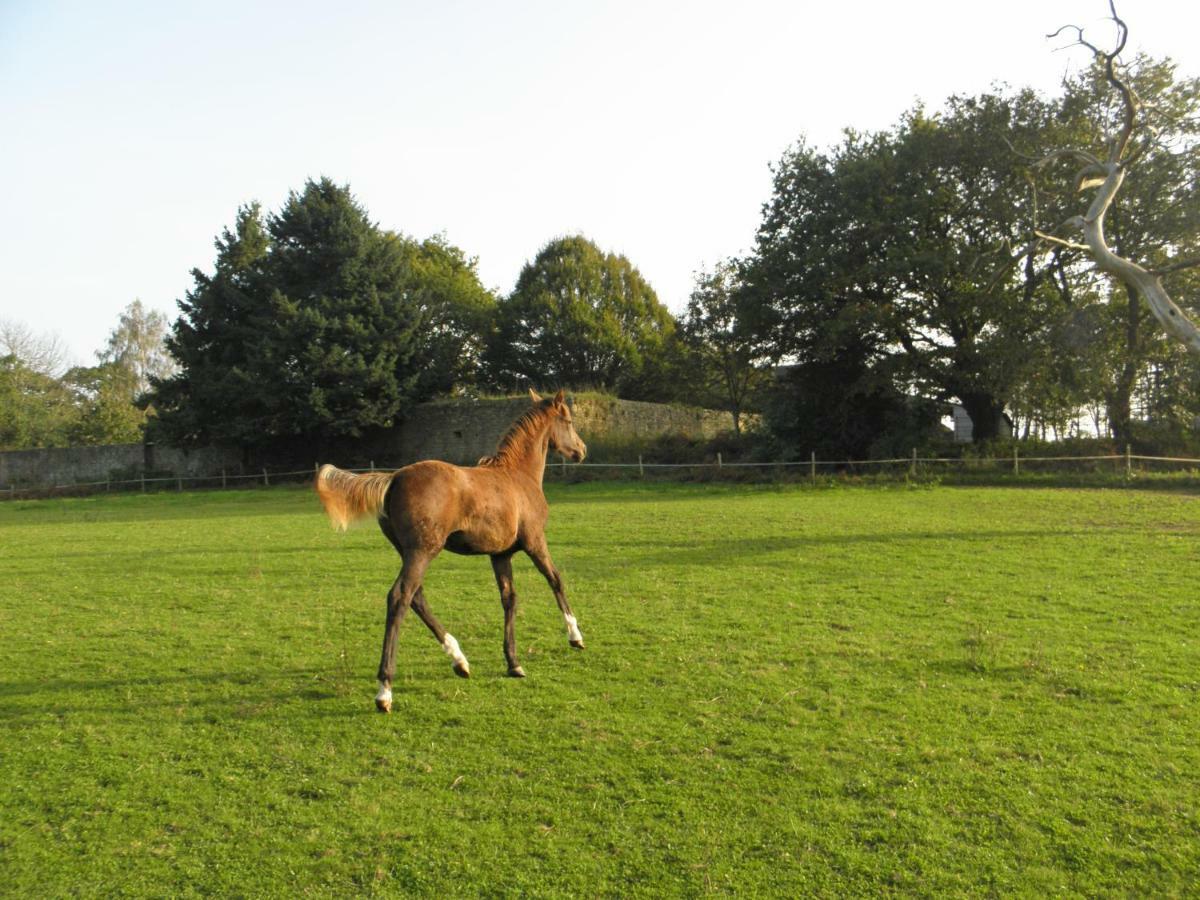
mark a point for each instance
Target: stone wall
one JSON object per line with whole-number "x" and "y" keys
{"x": 461, "y": 431}
{"x": 52, "y": 466}
{"x": 458, "y": 431}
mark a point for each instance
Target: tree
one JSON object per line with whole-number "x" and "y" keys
{"x": 306, "y": 331}
{"x": 138, "y": 345}
{"x": 41, "y": 353}
{"x": 456, "y": 310}
{"x": 1143, "y": 166}
{"x": 104, "y": 400}
{"x": 899, "y": 258}
{"x": 110, "y": 397}
{"x": 36, "y": 409}
{"x": 578, "y": 317}
{"x": 728, "y": 354}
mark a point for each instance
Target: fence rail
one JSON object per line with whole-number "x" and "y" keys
{"x": 813, "y": 465}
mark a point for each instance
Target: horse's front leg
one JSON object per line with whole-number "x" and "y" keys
{"x": 399, "y": 598}
{"x": 540, "y": 554}
{"x": 502, "y": 567}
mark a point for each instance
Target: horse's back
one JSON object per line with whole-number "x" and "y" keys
{"x": 435, "y": 503}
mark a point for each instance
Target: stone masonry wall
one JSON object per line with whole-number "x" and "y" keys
{"x": 458, "y": 431}
{"x": 51, "y": 466}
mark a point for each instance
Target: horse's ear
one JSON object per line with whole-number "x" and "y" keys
{"x": 559, "y": 397}
{"x": 533, "y": 395}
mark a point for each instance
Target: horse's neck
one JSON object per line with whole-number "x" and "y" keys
{"x": 530, "y": 457}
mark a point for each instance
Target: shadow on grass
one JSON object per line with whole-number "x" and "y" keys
{"x": 219, "y": 697}
{"x": 696, "y": 550}
{"x": 221, "y": 694}
{"x": 142, "y": 554}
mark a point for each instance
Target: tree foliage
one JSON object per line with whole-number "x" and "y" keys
{"x": 457, "y": 314}
{"x": 137, "y": 345}
{"x": 36, "y": 409}
{"x": 729, "y": 359}
{"x": 1153, "y": 219}
{"x": 899, "y": 257}
{"x": 578, "y": 317}
{"x": 307, "y": 330}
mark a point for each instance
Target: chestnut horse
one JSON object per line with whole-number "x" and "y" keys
{"x": 495, "y": 507}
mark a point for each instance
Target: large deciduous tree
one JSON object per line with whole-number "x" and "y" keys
{"x": 897, "y": 262}
{"x": 578, "y": 317}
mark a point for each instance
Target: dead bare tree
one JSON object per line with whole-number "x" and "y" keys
{"x": 1105, "y": 176}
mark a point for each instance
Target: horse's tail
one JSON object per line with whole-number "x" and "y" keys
{"x": 348, "y": 497}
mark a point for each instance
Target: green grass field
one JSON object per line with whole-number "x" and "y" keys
{"x": 786, "y": 692}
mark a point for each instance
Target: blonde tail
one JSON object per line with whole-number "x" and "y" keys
{"x": 348, "y": 497}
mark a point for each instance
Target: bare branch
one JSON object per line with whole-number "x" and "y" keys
{"x": 1176, "y": 266}
{"x": 1061, "y": 242}
{"x": 43, "y": 353}
{"x": 1109, "y": 60}
{"x": 1106, "y": 178}
{"x": 1055, "y": 155}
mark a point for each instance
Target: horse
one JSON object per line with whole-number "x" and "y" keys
{"x": 495, "y": 507}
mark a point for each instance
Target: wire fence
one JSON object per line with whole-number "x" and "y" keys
{"x": 1128, "y": 464}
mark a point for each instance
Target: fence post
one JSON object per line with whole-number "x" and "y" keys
{"x": 812, "y": 467}
{"x": 179, "y": 484}
{"x": 1016, "y": 460}
{"x": 222, "y": 479}
{"x": 641, "y": 471}
{"x": 1128, "y": 462}
{"x": 719, "y": 464}
{"x": 266, "y": 480}
{"x": 912, "y": 468}
{"x": 143, "y": 482}
{"x": 372, "y": 465}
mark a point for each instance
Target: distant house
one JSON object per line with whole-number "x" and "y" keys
{"x": 964, "y": 429}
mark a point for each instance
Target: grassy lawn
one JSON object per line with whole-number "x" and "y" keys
{"x": 786, "y": 691}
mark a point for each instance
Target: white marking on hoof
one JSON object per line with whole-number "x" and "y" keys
{"x": 573, "y": 634}
{"x": 461, "y": 666}
{"x": 383, "y": 700}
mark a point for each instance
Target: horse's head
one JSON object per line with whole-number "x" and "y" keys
{"x": 563, "y": 439}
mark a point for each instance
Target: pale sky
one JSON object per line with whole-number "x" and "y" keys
{"x": 131, "y": 132}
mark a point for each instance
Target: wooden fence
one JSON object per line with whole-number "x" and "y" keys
{"x": 1127, "y": 464}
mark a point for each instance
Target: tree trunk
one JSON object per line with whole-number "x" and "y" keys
{"x": 1119, "y": 400}
{"x": 987, "y": 416}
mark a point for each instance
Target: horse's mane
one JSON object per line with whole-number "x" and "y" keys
{"x": 527, "y": 425}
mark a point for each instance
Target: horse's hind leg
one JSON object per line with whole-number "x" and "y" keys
{"x": 399, "y": 598}
{"x": 502, "y": 566}
{"x": 461, "y": 667}
{"x": 540, "y": 554}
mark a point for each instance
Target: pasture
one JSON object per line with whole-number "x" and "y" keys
{"x": 785, "y": 691}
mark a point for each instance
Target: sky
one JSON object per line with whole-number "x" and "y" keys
{"x": 130, "y": 133}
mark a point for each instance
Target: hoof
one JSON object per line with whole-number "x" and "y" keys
{"x": 578, "y": 645}
{"x": 462, "y": 670}
{"x": 516, "y": 672}
{"x": 383, "y": 699}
